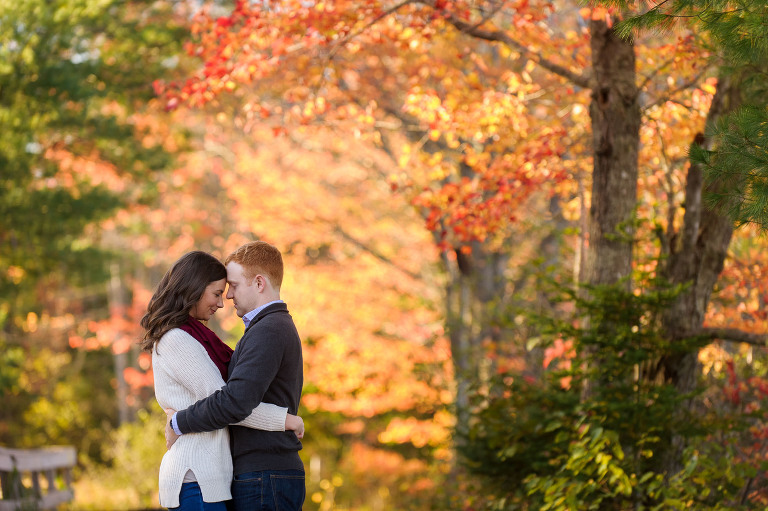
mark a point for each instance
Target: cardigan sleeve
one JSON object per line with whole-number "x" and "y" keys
{"x": 188, "y": 364}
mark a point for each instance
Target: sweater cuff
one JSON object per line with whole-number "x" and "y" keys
{"x": 179, "y": 422}
{"x": 174, "y": 425}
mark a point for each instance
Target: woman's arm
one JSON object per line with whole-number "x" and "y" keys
{"x": 186, "y": 361}
{"x": 269, "y": 417}
{"x": 266, "y": 416}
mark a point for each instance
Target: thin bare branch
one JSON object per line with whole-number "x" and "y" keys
{"x": 368, "y": 25}
{"x": 735, "y": 335}
{"x": 671, "y": 93}
{"x": 503, "y": 37}
{"x": 375, "y": 253}
{"x": 656, "y": 71}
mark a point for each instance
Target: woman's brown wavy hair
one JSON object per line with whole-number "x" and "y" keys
{"x": 178, "y": 291}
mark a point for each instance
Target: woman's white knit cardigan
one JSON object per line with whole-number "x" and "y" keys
{"x": 184, "y": 373}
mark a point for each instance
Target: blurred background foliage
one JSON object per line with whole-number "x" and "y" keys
{"x": 429, "y": 184}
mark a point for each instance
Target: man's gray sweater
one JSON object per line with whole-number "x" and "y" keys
{"x": 266, "y": 366}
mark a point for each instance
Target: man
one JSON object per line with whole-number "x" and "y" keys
{"x": 266, "y": 366}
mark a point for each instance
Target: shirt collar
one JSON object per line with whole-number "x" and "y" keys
{"x": 247, "y": 318}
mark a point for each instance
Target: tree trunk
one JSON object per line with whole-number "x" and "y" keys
{"x": 117, "y": 305}
{"x": 697, "y": 258}
{"x": 615, "y": 115}
{"x": 475, "y": 297}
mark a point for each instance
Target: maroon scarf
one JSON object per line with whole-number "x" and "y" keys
{"x": 219, "y": 352}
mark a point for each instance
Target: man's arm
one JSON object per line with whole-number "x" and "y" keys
{"x": 292, "y": 423}
{"x": 259, "y": 357}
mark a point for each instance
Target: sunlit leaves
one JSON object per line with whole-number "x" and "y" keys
{"x": 402, "y": 63}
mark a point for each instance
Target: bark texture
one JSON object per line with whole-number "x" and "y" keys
{"x": 615, "y": 117}
{"x": 696, "y": 257}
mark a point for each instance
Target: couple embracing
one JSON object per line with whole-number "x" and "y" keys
{"x": 233, "y": 434}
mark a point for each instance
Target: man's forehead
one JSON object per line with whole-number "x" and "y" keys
{"x": 234, "y": 277}
{"x": 233, "y": 270}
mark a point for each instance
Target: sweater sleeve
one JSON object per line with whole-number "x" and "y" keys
{"x": 266, "y": 416}
{"x": 186, "y": 361}
{"x": 259, "y": 358}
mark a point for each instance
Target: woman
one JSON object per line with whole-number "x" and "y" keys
{"x": 189, "y": 363}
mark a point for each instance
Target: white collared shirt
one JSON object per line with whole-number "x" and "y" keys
{"x": 247, "y": 318}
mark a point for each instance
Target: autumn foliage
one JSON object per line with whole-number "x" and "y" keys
{"x": 395, "y": 153}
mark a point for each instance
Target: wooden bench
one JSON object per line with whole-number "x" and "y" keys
{"x": 20, "y": 477}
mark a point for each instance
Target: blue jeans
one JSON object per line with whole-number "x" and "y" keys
{"x": 191, "y": 499}
{"x": 270, "y": 490}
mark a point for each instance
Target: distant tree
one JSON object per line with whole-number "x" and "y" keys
{"x": 72, "y": 74}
